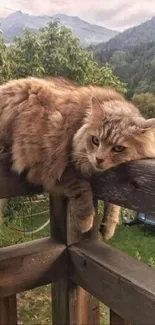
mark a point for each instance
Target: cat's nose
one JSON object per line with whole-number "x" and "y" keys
{"x": 99, "y": 160}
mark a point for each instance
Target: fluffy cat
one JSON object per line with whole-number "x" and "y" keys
{"x": 60, "y": 133}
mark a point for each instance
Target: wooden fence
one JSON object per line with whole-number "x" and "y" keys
{"x": 82, "y": 270}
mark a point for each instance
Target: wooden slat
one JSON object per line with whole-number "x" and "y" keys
{"x": 121, "y": 282}
{"x": 29, "y": 265}
{"x": 8, "y": 310}
{"x": 70, "y": 303}
{"x": 116, "y": 319}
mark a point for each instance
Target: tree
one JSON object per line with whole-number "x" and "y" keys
{"x": 146, "y": 103}
{"x": 54, "y": 51}
{"x": 133, "y": 64}
{"x": 24, "y": 56}
{"x": 3, "y": 60}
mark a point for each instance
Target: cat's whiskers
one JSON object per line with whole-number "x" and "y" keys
{"x": 78, "y": 156}
{"x": 77, "y": 153}
{"x": 78, "y": 161}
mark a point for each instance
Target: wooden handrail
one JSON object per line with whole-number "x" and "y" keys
{"x": 131, "y": 185}
{"x": 29, "y": 265}
{"x": 120, "y": 281}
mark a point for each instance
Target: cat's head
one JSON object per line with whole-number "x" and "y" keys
{"x": 112, "y": 133}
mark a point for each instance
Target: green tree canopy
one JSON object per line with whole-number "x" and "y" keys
{"x": 134, "y": 65}
{"x": 146, "y": 103}
{"x": 54, "y": 51}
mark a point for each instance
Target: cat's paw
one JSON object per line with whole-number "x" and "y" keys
{"x": 107, "y": 231}
{"x": 86, "y": 223}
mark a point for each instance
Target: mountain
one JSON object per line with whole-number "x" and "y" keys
{"x": 134, "y": 65}
{"x": 131, "y": 55}
{"x": 88, "y": 34}
{"x": 133, "y": 36}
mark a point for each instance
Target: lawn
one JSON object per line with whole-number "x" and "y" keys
{"x": 34, "y": 306}
{"x": 136, "y": 242}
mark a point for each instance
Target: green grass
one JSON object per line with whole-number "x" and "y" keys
{"x": 9, "y": 237}
{"x": 34, "y": 306}
{"x": 133, "y": 241}
{"x": 24, "y": 220}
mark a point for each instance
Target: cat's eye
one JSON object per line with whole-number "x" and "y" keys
{"x": 95, "y": 140}
{"x": 118, "y": 148}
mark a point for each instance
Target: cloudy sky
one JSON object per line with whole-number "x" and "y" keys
{"x": 115, "y": 14}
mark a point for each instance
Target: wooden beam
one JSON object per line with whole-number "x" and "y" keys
{"x": 71, "y": 304}
{"x": 131, "y": 185}
{"x": 29, "y": 265}
{"x": 124, "y": 284}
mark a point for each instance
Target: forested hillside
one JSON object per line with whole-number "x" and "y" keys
{"x": 132, "y": 36}
{"x": 134, "y": 65}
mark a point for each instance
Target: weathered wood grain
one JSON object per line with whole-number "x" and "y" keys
{"x": 71, "y": 304}
{"x": 116, "y": 319}
{"x": 124, "y": 284}
{"x": 8, "y": 310}
{"x": 29, "y": 265}
{"x": 131, "y": 185}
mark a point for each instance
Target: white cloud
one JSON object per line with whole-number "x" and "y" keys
{"x": 116, "y": 14}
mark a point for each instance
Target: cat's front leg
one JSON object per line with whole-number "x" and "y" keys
{"x": 83, "y": 210}
{"x": 110, "y": 220}
{"x": 79, "y": 193}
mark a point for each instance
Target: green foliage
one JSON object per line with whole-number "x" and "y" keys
{"x": 134, "y": 65}
{"x": 151, "y": 262}
{"x": 4, "y": 64}
{"x": 24, "y": 56}
{"x": 15, "y": 207}
{"x": 53, "y": 51}
{"x": 127, "y": 213}
{"x": 138, "y": 256}
{"x": 146, "y": 103}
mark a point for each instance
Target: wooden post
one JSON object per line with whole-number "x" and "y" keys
{"x": 71, "y": 305}
{"x": 116, "y": 319}
{"x": 8, "y": 310}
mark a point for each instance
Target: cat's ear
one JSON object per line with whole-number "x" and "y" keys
{"x": 96, "y": 109}
{"x": 148, "y": 125}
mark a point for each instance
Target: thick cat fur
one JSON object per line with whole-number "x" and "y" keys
{"x": 50, "y": 126}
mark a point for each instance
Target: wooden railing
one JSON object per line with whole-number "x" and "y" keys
{"x": 82, "y": 270}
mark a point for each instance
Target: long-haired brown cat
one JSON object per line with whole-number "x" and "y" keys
{"x": 60, "y": 133}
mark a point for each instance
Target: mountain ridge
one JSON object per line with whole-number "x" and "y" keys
{"x": 87, "y": 33}
{"x": 141, "y": 33}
